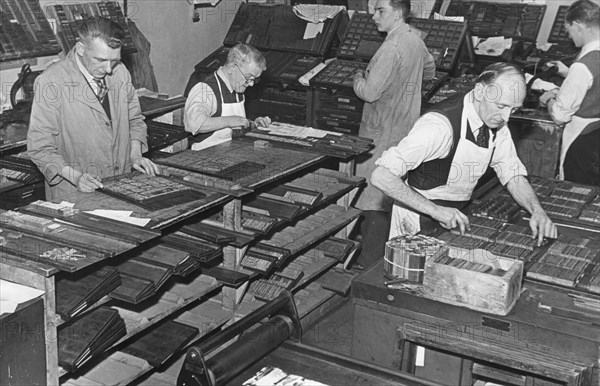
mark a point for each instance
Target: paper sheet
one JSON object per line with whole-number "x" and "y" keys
{"x": 539, "y": 84}
{"x": 317, "y": 13}
{"x": 493, "y": 46}
{"x": 12, "y": 294}
{"x": 437, "y": 16}
{"x": 312, "y": 30}
{"x": 288, "y": 130}
{"x": 157, "y": 95}
{"x": 120, "y": 215}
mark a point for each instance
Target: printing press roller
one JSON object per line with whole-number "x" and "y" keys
{"x": 282, "y": 323}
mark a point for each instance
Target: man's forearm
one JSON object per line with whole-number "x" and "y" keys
{"x": 524, "y": 195}
{"x": 136, "y": 149}
{"x": 211, "y": 124}
{"x": 396, "y": 188}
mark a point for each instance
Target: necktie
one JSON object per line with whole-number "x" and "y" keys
{"x": 102, "y": 89}
{"x": 483, "y": 136}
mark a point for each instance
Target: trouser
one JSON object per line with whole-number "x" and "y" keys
{"x": 374, "y": 228}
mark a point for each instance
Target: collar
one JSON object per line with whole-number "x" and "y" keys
{"x": 468, "y": 108}
{"x": 591, "y": 46}
{"x": 224, "y": 78}
{"x": 397, "y": 30}
{"x": 84, "y": 71}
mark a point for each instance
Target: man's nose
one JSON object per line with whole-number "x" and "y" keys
{"x": 506, "y": 113}
{"x": 108, "y": 67}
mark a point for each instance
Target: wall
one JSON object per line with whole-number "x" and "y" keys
{"x": 178, "y": 43}
{"x": 9, "y": 71}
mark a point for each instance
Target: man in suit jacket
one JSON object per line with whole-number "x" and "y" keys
{"x": 86, "y": 121}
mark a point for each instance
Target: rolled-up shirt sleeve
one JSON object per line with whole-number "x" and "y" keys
{"x": 429, "y": 139}
{"x": 577, "y": 83}
{"x": 505, "y": 161}
{"x": 44, "y": 128}
{"x": 200, "y": 104}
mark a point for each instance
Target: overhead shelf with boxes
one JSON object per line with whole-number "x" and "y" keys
{"x": 278, "y": 33}
{"x": 337, "y": 108}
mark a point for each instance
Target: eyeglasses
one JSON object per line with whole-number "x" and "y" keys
{"x": 250, "y": 79}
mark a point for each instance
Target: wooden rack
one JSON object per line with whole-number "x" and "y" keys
{"x": 204, "y": 301}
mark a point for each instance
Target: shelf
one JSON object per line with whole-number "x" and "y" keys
{"x": 310, "y": 298}
{"x": 177, "y": 297}
{"x": 115, "y": 370}
{"x": 313, "y": 266}
{"x": 337, "y": 217}
{"x": 207, "y": 317}
{"x": 202, "y": 302}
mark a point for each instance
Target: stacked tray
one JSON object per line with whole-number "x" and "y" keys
{"x": 88, "y": 336}
{"x": 511, "y": 20}
{"x": 24, "y": 31}
{"x": 150, "y": 192}
{"x": 69, "y": 16}
{"x": 78, "y": 292}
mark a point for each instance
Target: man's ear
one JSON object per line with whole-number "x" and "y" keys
{"x": 479, "y": 90}
{"x": 398, "y": 14}
{"x": 80, "y": 48}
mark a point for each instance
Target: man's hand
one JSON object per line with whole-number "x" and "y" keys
{"x": 237, "y": 121}
{"x": 547, "y": 96}
{"x": 450, "y": 218}
{"x": 263, "y": 121}
{"x": 144, "y": 165}
{"x": 358, "y": 75}
{"x": 562, "y": 68}
{"x": 88, "y": 183}
{"x": 541, "y": 226}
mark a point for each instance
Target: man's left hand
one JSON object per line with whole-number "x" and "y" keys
{"x": 263, "y": 121}
{"x": 144, "y": 165}
{"x": 541, "y": 226}
{"x": 358, "y": 75}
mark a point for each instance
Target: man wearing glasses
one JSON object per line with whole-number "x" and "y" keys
{"x": 216, "y": 105}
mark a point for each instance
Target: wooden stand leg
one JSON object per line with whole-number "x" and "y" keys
{"x": 232, "y": 219}
{"x": 46, "y": 284}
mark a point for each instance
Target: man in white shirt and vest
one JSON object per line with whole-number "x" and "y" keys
{"x": 577, "y": 103}
{"x": 216, "y": 105}
{"x": 433, "y": 171}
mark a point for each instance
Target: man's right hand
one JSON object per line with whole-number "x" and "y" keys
{"x": 88, "y": 183}
{"x": 238, "y": 122}
{"x": 562, "y": 68}
{"x": 451, "y": 218}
